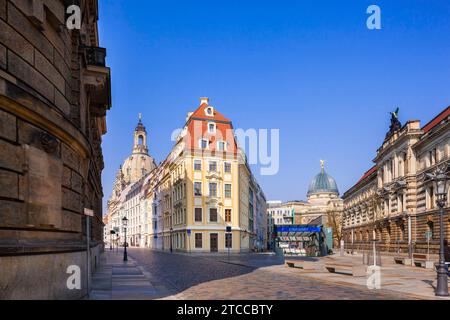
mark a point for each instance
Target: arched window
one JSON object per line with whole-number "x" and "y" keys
{"x": 140, "y": 140}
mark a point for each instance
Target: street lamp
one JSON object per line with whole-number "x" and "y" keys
{"x": 125, "y": 223}
{"x": 440, "y": 179}
{"x": 171, "y": 230}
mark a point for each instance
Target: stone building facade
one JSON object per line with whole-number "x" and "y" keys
{"x": 393, "y": 203}
{"x": 203, "y": 186}
{"x": 54, "y": 94}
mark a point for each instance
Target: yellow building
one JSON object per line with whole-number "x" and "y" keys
{"x": 203, "y": 196}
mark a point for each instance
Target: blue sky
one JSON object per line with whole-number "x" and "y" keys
{"x": 309, "y": 68}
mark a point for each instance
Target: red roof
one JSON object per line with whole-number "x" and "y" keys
{"x": 442, "y": 116}
{"x": 200, "y": 114}
{"x": 198, "y": 129}
{"x": 366, "y": 175}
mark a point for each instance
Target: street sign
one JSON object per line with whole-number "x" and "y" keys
{"x": 304, "y": 228}
{"x": 89, "y": 212}
{"x": 428, "y": 235}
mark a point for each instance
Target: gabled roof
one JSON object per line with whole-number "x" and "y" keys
{"x": 200, "y": 114}
{"x": 436, "y": 120}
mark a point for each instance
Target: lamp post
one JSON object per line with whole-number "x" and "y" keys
{"x": 125, "y": 223}
{"x": 440, "y": 179}
{"x": 171, "y": 230}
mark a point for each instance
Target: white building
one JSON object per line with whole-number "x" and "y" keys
{"x": 126, "y": 199}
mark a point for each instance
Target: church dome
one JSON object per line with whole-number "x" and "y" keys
{"x": 139, "y": 163}
{"x": 323, "y": 183}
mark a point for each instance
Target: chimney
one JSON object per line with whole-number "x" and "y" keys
{"x": 204, "y": 100}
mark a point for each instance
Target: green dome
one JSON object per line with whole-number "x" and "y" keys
{"x": 323, "y": 183}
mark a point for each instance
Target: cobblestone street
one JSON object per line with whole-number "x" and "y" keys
{"x": 160, "y": 275}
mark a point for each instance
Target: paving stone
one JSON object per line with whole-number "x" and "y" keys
{"x": 249, "y": 277}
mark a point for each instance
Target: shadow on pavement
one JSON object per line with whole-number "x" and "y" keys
{"x": 180, "y": 271}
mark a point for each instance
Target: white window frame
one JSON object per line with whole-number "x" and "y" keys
{"x": 214, "y": 125}
{"x": 200, "y": 145}
{"x": 225, "y": 144}
{"x": 217, "y": 189}
{"x": 209, "y": 165}
{"x": 231, "y": 190}
{"x": 209, "y": 214}
{"x": 201, "y": 188}
{"x": 209, "y": 109}
{"x": 201, "y": 221}
{"x": 231, "y": 168}
{"x": 201, "y": 164}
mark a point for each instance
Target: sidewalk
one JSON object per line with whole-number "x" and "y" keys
{"x": 119, "y": 280}
{"x": 412, "y": 281}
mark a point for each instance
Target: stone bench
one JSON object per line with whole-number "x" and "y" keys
{"x": 353, "y": 270}
{"x": 421, "y": 260}
{"x": 403, "y": 260}
{"x": 305, "y": 265}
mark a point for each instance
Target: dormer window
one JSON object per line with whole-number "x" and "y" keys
{"x": 203, "y": 144}
{"x": 211, "y": 127}
{"x": 221, "y": 145}
{"x": 209, "y": 111}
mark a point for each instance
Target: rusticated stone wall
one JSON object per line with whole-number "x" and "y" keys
{"x": 51, "y": 123}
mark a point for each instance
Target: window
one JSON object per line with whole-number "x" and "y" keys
{"x": 203, "y": 144}
{"x": 227, "y": 190}
{"x": 432, "y": 157}
{"x": 211, "y": 127}
{"x": 198, "y": 165}
{"x": 213, "y": 214}
{"x": 228, "y": 240}
{"x": 430, "y": 198}
{"x": 197, "y": 189}
{"x": 198, "y": 215}
{"x": 400, "y": 203}
{"x": 227, "y": 215}
{"x": 198, "y": 241}
{"x": 221, "y": 145}
{"x": 213, "y": 189}
{"x": 209, "y": 111}
{"x": 227, "y": 167}
{"x": 212, "y": 166}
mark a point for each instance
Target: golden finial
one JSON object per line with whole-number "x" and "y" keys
{"x": 322, "y": 164}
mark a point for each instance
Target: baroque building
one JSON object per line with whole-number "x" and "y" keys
{"x": 128, "y": 185}
{"x": 54, "y": 95}
{"x": 202, "y": 198}
{"x": 393, "y": 203}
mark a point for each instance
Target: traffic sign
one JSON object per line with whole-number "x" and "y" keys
{"x": 89, "y": 212}
{"x": 189, "y": 232}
